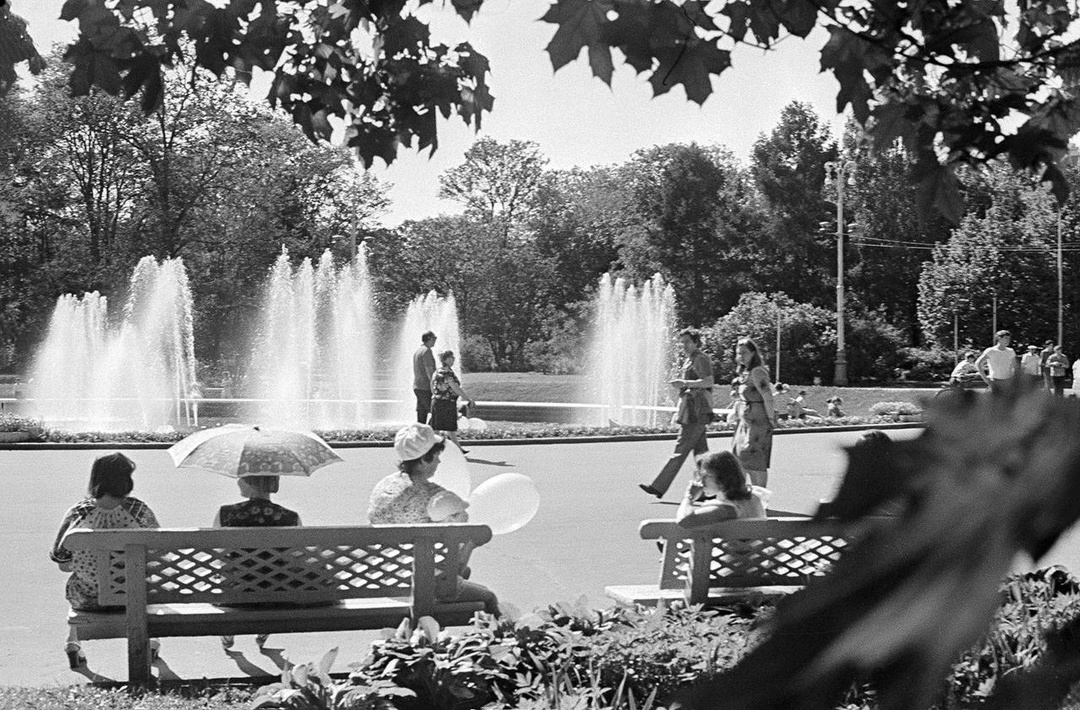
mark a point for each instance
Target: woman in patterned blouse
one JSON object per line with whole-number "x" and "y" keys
{"x": 258, "y": 511}
{"x": 107, "y": 506}
{"x": 409, "y": 496}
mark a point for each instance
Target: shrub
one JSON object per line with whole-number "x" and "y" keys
{"x": 873, "y": 347}
{"x": 884, "y": 408}
{"x": 924, "y": 364}
{"x": 34, "y": 427}
{"x": 807, "y": 336}
{"x": 476, "y": 355}
{"x": 563, "y": 650}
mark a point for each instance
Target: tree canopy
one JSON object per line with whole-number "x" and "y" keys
{"x": 958, "y": 82}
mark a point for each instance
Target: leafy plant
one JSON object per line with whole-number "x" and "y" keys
{"x": 885, "y": 408}
{"x": 309, "y": 687}
{"x": 34, "y": 427}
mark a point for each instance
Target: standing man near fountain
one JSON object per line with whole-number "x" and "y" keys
{"x": 694, "y": 412}
{"x": 423, "y": 365}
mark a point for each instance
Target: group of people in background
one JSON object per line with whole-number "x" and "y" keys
{"x": 405, "y": 497}
{"x": 998, "y": 366}
{"x": 437, "y": 389}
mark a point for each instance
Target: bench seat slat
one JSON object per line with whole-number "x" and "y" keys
{"x": 200, "y": 619}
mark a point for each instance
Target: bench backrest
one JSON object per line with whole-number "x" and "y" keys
{"x": 272, "y": 565}
{"x": 747, "y": 553}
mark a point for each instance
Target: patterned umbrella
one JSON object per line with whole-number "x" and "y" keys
{"x": 237, "y": 451}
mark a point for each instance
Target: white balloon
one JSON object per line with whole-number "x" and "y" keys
{"x": 504, "y": 503}
{"x": 453, "y": 471}
{"x": 464, "y": 423}
{"x": 477, "y": 424}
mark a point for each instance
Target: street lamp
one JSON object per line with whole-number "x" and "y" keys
{"x": 840, "y": 173}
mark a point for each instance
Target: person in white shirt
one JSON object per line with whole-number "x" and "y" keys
{"x": 999, "y": 361}
{"x": 1031, "y": 367}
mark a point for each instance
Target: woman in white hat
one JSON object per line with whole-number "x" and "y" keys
{"x": 409, "y": 496}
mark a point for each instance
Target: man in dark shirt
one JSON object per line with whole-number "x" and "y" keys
{"x": 423, "y": 365}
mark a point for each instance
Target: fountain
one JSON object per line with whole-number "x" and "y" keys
{"x": 90, "y": 375}
{"x": 429, "y": 312}
{"x": 630, "y": 353}
{"x": 312, "y": 362}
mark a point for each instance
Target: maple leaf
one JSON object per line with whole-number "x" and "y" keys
{"x": 580, "y": 25}
{"x": 691, "y": 65}
{"x": 937, "y": 188}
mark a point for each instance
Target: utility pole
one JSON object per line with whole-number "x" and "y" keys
{"x": 1061, "y": 290}
{"x": 840, "y": 171}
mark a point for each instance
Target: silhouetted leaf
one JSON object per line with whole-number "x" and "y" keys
{"x": 580, "y": 23}
{"x": 692, "y": 66}
{"x": 938, "y": 189}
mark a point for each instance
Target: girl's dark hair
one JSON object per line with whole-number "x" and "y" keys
{"x": 755, "y": 357}
{"x": 409, "y": 467}
{"x": 111, "y": 475}
{"x": 728, "y": 471}
{"x": 445, "y": 355}
{"x": 263, "y": 484}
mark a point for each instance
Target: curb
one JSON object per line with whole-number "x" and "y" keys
{"x": 612, "y": 438}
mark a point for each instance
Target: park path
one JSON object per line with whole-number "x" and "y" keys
{"x": 583, "y": 538}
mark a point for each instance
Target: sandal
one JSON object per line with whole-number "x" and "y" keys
{"x": 227, "y": 642}
{"x": 155, "y": 649}
{"x": 76, "y": 658}
{"x": 261, "y": 639}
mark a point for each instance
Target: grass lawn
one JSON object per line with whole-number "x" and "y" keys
{"x": 536, "y": 387}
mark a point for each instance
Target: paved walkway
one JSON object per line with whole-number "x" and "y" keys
{"x": 583, "y": 538}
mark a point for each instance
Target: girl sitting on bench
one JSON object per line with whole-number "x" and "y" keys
{"x": 720, "y": 491}
{"x": 108, "y": 505}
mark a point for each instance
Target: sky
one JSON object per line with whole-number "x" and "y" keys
{"x": 575, "y": 118}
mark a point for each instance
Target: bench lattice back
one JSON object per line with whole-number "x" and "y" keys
{"x": 378, "y": 564}
{"x": 752, "y": 553}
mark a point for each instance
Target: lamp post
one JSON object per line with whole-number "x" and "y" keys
{"x": 841, "y": 172}
{"x": 1061, "y": 290}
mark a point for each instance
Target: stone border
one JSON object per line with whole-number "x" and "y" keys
{"x": 660, "y": 436}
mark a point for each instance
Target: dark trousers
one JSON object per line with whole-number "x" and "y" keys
{"x": 1059, "y": 384}
{"x": 691, "y": 439}
{"x": 423, "y": 405}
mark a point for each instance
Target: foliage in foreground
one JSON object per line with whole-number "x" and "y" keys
{"x": 83, "y": 697}
{"x": 574, "y": 657}
{"x": 991, "y": 479}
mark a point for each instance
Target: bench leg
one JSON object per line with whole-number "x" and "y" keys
{"x": 139, "y": 658}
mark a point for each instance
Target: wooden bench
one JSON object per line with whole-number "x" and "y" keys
{"x": 188, "y": 581}
{"x": 736, "y": 559}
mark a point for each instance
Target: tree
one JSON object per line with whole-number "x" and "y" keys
{"x": 693, "y": 212}
{"x": 888, "y": 240}
{"x": 930, "y": 73}
{"x": 501, "y": 287}
{"x": 789, "y": 167}
{"x": 1003, "y": 259}
{"x": 497, "y": 181}
{"x": 808, "y": 336}
{"x": 577, "y": 221}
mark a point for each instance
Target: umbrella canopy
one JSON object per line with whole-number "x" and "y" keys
{"x": 237, "y": 451}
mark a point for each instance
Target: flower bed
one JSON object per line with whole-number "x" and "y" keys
{"x": 496, "y": 431}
